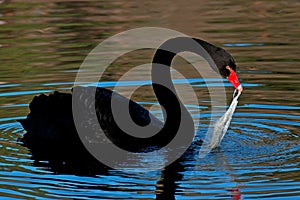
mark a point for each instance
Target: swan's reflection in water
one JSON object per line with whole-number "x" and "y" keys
{"x": 168, "y": 185}
{"x": 173, "y": 175}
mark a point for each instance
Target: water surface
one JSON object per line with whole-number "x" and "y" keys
{"x": 42, "y": 45}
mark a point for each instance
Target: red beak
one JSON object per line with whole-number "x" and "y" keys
{"x": 233, "y": 79}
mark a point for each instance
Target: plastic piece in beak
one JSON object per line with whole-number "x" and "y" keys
{"x": 216, "y": 133}
{"x": 240, "y": 88}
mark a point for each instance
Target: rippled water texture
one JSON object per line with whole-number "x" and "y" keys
{"x": 42, "y": 45}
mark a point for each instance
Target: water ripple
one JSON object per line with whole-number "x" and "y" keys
{"x": 18, "y": 93}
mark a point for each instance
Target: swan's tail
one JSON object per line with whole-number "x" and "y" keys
{"x": 48, "y": 109}
{"x": 44, "y": 105}
{"x": 49, "y": 125}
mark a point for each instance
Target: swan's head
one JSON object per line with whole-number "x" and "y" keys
{"x": 223, "y": 62}
{"x": 227, "y": 67}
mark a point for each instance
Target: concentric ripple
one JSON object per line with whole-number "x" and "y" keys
{"x": 259, "y": 157}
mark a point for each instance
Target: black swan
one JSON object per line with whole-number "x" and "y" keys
{"x": 51, "y": 133}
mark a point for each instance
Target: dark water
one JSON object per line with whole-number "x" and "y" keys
{"x": 42, "y": 45}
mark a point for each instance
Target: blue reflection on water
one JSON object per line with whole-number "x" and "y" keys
{"x": 271, "y": 106}
{"x": 243, "y": 44}
{"x": 15, "y": 105}
{"x": 214, "y": 82}
{"x": 17, "y": 93}
{"x": 9, "y": 85}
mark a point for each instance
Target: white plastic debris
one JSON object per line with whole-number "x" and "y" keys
{"x": 214, "y": 136}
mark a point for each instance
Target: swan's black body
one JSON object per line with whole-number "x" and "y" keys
{"x": 51, "y": 133}
{"x": 50, "y": 122}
